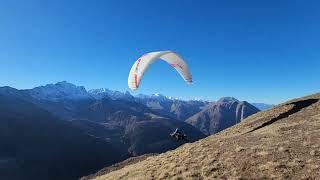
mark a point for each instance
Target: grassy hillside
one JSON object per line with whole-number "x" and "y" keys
{"x": 283, "y": 142}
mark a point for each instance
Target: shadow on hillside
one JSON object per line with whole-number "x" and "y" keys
{"x": 298, "y": 106}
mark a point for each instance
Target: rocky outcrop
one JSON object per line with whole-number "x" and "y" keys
{"x": 222, "y": 114}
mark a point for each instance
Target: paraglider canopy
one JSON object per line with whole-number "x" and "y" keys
{"x": 143, "y": 63}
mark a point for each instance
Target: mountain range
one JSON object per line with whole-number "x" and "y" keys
{"x": 65, "y": 131}
{"x": 280, "y": 143}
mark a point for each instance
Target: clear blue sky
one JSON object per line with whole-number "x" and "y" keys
{"x": 265, "y": 51}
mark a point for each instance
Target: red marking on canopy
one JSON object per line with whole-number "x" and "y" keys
{"x": 136, "y": 80}
{"x": 139, "y": 60}
{"x": 176, "y": 65}
{"x": 138, "y": 64}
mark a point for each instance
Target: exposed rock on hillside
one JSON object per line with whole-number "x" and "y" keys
{"x": 220, "y": 115}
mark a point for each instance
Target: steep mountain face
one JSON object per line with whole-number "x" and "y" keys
{"x": 64, "y": 100}
{"x": 280, "y": 143}
{"x": 35, "y": 144}
{"x": 59, "y": 91}
{"x": 221, "y": 115}
{"x": 182, "y": 110}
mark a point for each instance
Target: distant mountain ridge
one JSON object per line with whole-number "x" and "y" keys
{"x": 262, "y": 106}
{"x": 65, "y": 90}
{"x": 70, "y": 102}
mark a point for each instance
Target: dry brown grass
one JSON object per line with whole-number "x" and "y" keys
{"x": 286, "y": 149}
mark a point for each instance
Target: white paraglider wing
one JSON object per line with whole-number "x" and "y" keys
{"x": 143, "y": 63}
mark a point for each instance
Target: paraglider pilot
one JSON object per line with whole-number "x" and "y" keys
{"x": 179, "y": 135}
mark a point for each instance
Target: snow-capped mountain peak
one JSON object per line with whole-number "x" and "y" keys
{"x": 59, "y": 91}
{"x": 115, "y": 95}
